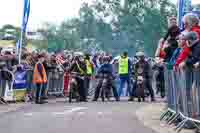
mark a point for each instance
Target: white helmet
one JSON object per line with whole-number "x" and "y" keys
{"x": 78, "y": 54}
{"x": 140, "y": 53}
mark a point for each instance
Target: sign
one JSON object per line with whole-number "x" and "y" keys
{"x": 20, "y": 80}
{"x": 184, "y": 6}
{"x": 197, "y": 13}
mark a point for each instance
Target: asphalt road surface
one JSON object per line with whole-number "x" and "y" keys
{"x": 60, "y": 117}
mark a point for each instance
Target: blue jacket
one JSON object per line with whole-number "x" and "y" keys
{"x": 105, "y": 69}
{"x": 175, "y": 56}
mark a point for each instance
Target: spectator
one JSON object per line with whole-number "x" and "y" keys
{"x": 168, "y": 44}
{"x": 124, "y": 71}
{"x": 193, "y": 42}
{"x": 172, "y": 21}
{"x": 40, "y": 78}
{"x": 191, "y": 22}
{"x": 181, "y": 45}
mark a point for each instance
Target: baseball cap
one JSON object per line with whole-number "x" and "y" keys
{"x": 192, "y": 37}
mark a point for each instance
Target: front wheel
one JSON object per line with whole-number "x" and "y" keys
{"x": 70, "y": 96}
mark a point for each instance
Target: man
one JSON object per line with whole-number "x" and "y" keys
{"x": 78, "y": 66}
{"x": 40, "y": 79}
{"x": 105, "y": 69}
{"x": 193, "y": 43}
{"x": 191, "y": 22}
{"x": 90, "y": 71}
{"x": 142, "y": 64}
{"x": 124, "y": 68}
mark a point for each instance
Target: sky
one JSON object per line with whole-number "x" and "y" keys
{"x": 42, "y": 11}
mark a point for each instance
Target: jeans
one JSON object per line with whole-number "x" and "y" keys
{"x": 99, "y": 87}
{"x": 81, "y": 89}
{"x": 40, "y": 92}
{"x": 123, "y": 81}
{"x": 4, "y": 83}
{"x": 87, "y": 85}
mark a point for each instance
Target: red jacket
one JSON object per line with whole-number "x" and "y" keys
{"x": 184, "y": 55}
{"x": 196, "y": 29}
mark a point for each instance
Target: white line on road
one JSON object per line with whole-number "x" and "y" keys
{"x": 28, "y": 114}
{"x": 81, "y": 113}
{"x": 75, "y": 109}
{"x": 100, "y": 113}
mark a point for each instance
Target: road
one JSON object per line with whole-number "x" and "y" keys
{"x": 60, "y": 117}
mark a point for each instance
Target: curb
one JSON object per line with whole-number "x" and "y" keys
{"x": 150, "y": 117}
{"x": 4, "y": 109}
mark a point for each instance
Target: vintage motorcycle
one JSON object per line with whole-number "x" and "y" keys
{"x": 140, "y": 84}
{"x": 159, "y": 79}
{"x": 73, "y": 87}
{"x": 105, "y": 91}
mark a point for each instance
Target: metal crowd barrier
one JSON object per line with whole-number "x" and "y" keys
{"x": 6, "y": 86}
{"x": 55, "y": 85}
{"x": 183, "y": 98}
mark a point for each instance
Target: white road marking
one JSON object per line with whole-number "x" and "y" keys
{"x": 58, "y": 113}
{"x": 100, "y": 113}
{"x": 75, "y": 109}
{"x": 81, "y": 113}
{"x": 28, "y": 114}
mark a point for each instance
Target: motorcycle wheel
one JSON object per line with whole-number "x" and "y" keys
{"x": 70, "y": 97}
{"x": 71, "y": 93}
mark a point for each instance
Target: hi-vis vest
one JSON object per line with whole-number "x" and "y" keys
{"x": 37, "y": 79}
{"x": 123, "y": 66}
{"x": 89, "y": 67}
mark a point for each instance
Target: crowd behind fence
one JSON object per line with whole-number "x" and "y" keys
{"x": 183, "y": 88}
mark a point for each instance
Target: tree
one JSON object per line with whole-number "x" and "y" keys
{"x": 113, "y": 27}
{"x": 197, "y": 7}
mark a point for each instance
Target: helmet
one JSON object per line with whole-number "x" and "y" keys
{"x": 106, "y": 58}
{"x": 140, "y": 53}
{"x": 78, "y": 54}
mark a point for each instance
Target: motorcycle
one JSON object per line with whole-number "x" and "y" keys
{"x": 140, "y": 85}
{"x": 73, "y": 87}
{"x": 106, "y": 86}
{"x": 159, "y": 79}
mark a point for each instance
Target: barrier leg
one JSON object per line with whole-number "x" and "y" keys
{"x": 180, "y": 125}
{"x": 196, "y": 125}
{"x": 168, "y": 116}
{"x": 174, "y": 115}
{"x": 172, "y": 120}
{"x": 164, "y": 114}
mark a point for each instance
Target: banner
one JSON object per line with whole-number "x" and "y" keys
{"x": 197, "y": 13}
{"x": 184, "y": 6}
{"x": 26, "y": 15}
{"x": 20, "y": 80}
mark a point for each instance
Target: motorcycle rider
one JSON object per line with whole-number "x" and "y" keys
{"x": 78, "y": 66}
{"x": 106, "y": 68}
{"x": 89, "y": 73}
{"x": 143, "y": 64}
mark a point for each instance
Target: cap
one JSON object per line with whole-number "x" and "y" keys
{"x": 192, "y": 37}
{"x": 140, "y": 53}
{"x": 40, "y": 56}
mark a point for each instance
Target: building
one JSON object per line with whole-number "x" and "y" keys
{"x": 34, "y": 35}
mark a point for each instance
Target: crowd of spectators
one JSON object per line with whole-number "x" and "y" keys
{"x": 180, "y": 48}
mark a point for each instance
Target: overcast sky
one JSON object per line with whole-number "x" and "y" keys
{"x": 41, "y": 11}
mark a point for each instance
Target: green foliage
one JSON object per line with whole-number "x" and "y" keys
{"x": 197, "y": 7}
{"x": 10, "y": 29}
{"x": 110, "y": 26}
